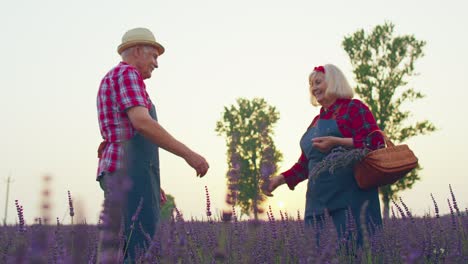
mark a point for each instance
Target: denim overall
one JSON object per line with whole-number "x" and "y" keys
{"x": 338, "y": 191}
{"x": 142, "y": 167}
{"x": 143, "y": 170}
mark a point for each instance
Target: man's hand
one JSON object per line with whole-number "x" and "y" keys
{"x": 197, "y": 162}
{"x": 274, "y": 183}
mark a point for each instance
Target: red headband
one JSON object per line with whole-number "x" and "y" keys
{"x": 320, "y": 69}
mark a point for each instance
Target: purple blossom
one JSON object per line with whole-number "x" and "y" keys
{"x": 455, "y": 205}
{"x": 179, "y": 216}
{"x": 408, "y": 213}
{"x": 137, "y": 211}
{"x": 436, "y": 208}
{"x": 111, "y": 217}
{"x": 208, "y": 203}
{"x": 70, "y": 205}
{"x": 19, "y": 210}
{"x": 402, "y": 213}
{"x": 339, "y": 157}
{"x": 452, "y": 215}
{"x": 271, "y": 220}
{"x": 436, "y": 239}
{"x": 267, "y": 164}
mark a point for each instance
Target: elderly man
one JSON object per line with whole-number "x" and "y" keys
{"x": 132, "y": 135}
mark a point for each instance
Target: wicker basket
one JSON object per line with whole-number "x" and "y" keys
{"x": 385, "y": 166}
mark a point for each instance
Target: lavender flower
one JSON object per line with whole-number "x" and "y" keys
{"x": 19, "y": 210}
{"x": 455, "y": 205}
{"x": 339, "y": 157}
{"x": 45, "y": 203}
{"x": 365, "y": 234}
{"x": 408, "y": 213}
{"x": 351, "y": 229}
{"x": 137, "y": 212}
{"x": 234, "y": 175}
{"x": 272, "y": 222}
{"x": 117, "y": 187}
{"x": 403, "y": 216}
{"x": 429, "y": 239}
{"x": 179, "y": 216}
{"x": 267, "y": 164}
{"x": 436, "y": 208}
{"x": 208, "y": 203}
{"x": 452, "y": 215}
{"x": 70, "y": 206}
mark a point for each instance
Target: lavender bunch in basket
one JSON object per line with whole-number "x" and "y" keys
{"x": 339, "y": 157}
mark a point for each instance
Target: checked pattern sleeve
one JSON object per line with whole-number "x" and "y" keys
{"x": 297, "y": 173}
{"x": 358, "y": 122}
{"x": 131, "y": 90}
{"x": 354, "y": 120}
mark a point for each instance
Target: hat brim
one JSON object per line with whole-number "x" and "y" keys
{"x": 130, "y": 44}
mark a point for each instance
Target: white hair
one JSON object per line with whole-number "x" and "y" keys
{"x": 337, "y": 85}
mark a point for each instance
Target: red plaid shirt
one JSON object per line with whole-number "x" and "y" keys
{"x": 121, "y": 89}
{"x": 354, "y": 120}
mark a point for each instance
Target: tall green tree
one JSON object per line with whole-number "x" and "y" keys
{"x": 168, "y": 208}
{"x": 382, "y": 64}
{"x": 252, "y": 156}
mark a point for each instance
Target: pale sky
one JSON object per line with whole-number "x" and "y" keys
{"x": 56, "y": 52}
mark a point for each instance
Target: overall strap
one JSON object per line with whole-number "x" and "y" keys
{"x": 334, "y": 114}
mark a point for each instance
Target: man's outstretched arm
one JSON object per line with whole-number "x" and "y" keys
{"x": 151, "y": 129}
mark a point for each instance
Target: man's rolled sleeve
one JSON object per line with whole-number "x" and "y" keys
{"x": 132, "y": 90}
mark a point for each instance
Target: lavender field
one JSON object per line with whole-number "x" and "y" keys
{"x": 224, "y": 239}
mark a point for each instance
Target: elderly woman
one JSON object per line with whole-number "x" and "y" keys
{"x": 342, "y": 127}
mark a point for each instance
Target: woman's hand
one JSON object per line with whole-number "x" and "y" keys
{"x": 273, "y": 184}
{"x": 324, "y": 144}
{"x": 162, "y": 197}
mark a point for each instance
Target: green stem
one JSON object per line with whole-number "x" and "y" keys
{"x": 128, "y": 240}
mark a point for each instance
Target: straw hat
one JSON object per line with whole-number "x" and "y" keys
{"x": 139, "y": 36}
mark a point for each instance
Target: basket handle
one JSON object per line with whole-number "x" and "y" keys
{"x": 388, "y": 142}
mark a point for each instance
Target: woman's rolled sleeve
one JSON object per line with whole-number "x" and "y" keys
{"x": 297, "y": 173}
{"x": 362, "y": 124}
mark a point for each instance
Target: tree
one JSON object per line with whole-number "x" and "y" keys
{"x": 382, "y": 64}
{"x": 168, "y": 208}
{"x": 252, "y": 156}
